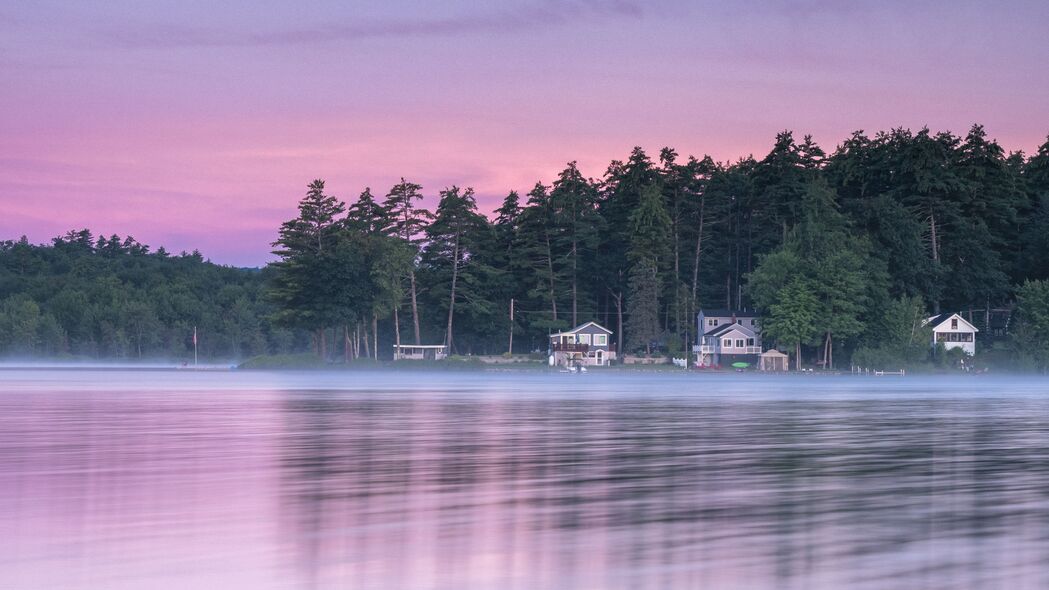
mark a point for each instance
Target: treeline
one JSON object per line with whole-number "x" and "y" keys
{"x": 112, "y": 297}
{"x": 843, "y": 252}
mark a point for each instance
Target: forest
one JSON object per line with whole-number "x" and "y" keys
{"x": 843, "y": 253}
{"x": 109, "y": 298}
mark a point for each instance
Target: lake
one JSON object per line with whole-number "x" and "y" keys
{"x": 253, "y": 480}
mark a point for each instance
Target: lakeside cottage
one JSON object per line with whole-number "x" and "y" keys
{"x": 728, "y": 336}
{"x": 953, "y": 331}
{"x": 588, "y": 344}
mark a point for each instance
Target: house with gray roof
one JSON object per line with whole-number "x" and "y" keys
{"x": 588, "y": 344}
{"x": 953, "y": 331}
{"x": 728, "y": 336}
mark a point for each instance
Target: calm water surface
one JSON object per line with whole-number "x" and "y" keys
{"x": 162, "y": 480}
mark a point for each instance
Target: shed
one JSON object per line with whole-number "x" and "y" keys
{"x": 773, "y": 360}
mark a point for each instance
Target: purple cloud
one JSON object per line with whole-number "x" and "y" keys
{"x": 529, "y": 17}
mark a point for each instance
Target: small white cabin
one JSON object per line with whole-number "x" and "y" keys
{"x": 953, "y": 331}
{"x": 415, "y": 352}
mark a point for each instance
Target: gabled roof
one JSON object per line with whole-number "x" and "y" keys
{"x": 773, "y": 353}
{"x": 581, "y": 326}
{"x": 727, "y": 313}
{"x": 938, "y": 320}
{"x": 726, "y": 328}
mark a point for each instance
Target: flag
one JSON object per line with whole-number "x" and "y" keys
{"x": 194, "y": 335}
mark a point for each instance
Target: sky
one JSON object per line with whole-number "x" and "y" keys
{"x": 197, "y": 125}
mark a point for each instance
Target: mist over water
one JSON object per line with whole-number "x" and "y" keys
{"x": 175, "y": 479}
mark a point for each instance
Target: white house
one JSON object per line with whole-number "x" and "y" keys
{"x": 585, "y": 344}
{"x": 728, "y": 336}
{"x": 953, "y": 331}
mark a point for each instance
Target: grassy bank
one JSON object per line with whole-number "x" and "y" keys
{"x": 306, "y": 361}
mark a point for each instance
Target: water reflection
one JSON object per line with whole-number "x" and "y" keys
{"x": 523, "y": 483}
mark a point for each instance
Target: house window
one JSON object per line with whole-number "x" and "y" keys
{"x": 584, "y": 338}
{"x": 954, "y": 323}
{"x": 753, "y": 322}
{"x": 739, "y": 343}
{"x": 726, "y": 343}
{"x": 750, "y": 342}
{"x": 600, "y": 339}
{"x": 712, "y": 322}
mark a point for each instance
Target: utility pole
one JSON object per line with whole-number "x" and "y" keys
{"x": 511, "y": 349}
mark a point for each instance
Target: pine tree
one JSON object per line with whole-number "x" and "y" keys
{"x": 408, "y": 222}
{"x": 649, "y": 250}
{"x": 573, "y": 202}
{"x": 366, "y": 215}
{"x": 536, "y": 253}
{"x": 620, "y": 195}
{"x": 452, "y": 256}
{"x": 1034, "y": 238}
{"x": 510, "y": 289}
{"x": 302, "y": 286}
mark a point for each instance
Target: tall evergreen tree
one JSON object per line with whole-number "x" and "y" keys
{"x": 649, "y": 250}
{"x": 536, "y": 253}
{"x": 573, "y": 201}
{"x": 620, "y": 196}
{"x": 366, "y": 215}
{"x": 303, "y": 288}
{"x": 454, "y": 259}
{"x": 1034, "y": 238}
{"x": 408, "y": 221}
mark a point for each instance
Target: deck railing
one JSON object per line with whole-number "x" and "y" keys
{"x": 570, "y": 347}
{"x": 714, "y": 349}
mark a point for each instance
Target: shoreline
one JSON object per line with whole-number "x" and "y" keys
{"x": 412, "y": 367}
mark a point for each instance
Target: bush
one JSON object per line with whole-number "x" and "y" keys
{"x": 284, "y": 361}
{"x": 891, "y": 358}
{"x": 451, "y": 363}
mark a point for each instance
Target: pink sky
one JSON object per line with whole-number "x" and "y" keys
{"x": 190, "y": 125}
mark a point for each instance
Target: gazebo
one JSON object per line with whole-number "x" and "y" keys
{"x": 773, "y": 360}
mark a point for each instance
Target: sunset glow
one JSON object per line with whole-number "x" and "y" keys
{"x": 199, "y": 125}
